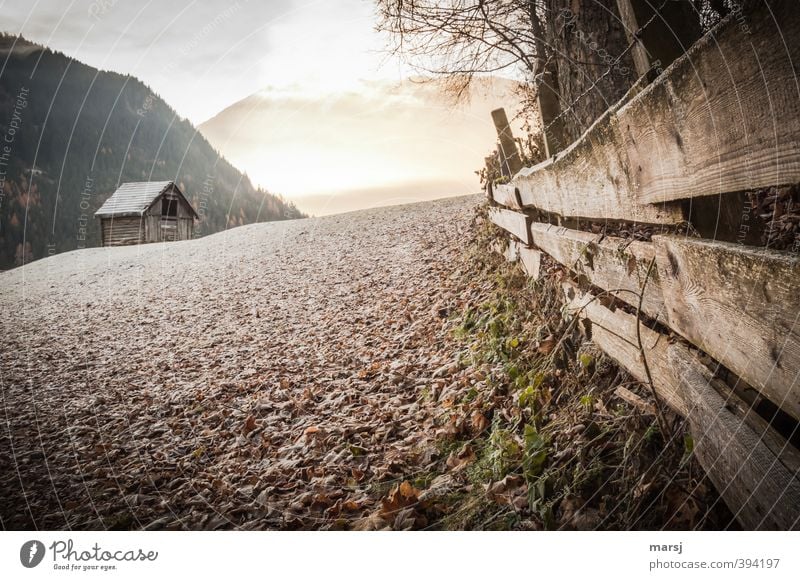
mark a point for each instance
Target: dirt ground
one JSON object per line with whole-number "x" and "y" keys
{"x": 268, "y": 377}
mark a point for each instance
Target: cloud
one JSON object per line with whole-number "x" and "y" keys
{"x": 185, "y": 50}
{"x": 373, "y": 135}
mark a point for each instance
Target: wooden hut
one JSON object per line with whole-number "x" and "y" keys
{"x": 147, "y": 211}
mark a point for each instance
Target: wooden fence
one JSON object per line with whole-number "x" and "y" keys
{"x": 723, "y": 118}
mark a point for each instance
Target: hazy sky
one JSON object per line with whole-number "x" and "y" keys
{"x": 325, "y": 91}
{"x": 203, "y": 55}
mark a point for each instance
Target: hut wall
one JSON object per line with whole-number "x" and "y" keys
{"x": 122, "y": 231}
{"x": 185, "y": 221}
{"x": 162, "y": 228}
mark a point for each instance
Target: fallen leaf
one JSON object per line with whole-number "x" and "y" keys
{"x": 249, "y": 425}
{"x": 401, "y": 497}
{"x": 479, "y": 421}
{"x": 459, "y": 460}
{"x": 371, "y": 523}
{"x": 546, "y": 345}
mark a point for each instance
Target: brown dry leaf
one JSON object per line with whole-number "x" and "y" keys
{"x": 507, "y": 490}
{"x": 461, "y": 459}
{"x": 350, "y": 506}
{"x": 402, "y": 496}
{"x": 546, "y": 345}
{"x": 408, "y": 491}
{"x": 371, "y": 523}
{"x": 249, "y": 425}
{"x": 479, "y": 421}
{"x": 405, "y": 520}
{"x": 439, "y": 487}
{"x": 576, "y": 516}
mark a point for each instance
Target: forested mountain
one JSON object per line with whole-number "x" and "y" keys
{"x": 69, "y": 134}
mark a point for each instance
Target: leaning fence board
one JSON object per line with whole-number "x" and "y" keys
{"x": 786, "y": 453}
{"x": 531, "y": 261}
{"x": 511, "y": 251}
{"x": 762, "y": 492}
{"x": 507, "y": 195}
{"x": 590, "y": 179}
{"x": 512, "y": 221}
{"x": 715, "y": 124}
{"x": 614, "y": 332}
{"x": 607, "y": 262}
{"x": 740, "y": 305}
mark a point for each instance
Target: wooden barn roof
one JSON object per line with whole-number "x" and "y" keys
{"x": 135, "y": 197}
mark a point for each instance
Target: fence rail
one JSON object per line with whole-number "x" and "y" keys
{"x": 723, "y": 118}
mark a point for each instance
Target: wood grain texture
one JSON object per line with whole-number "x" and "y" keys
{"x": 513, "y": 222}
{"x": 741, "y": 306}
{"x": 759, "y": 485}
{"x": 786, "y": 453}
{"x": 510, "y": 161}
{"x": 122, "y": 231}
{"x": 590, "y": 179}
{"x": 640, "y": 57}
{"x": 607, "y": 262}
{"x": 515, "y": 251}
{"x": 614, "y": 332}
{"x": 724, "y": 117}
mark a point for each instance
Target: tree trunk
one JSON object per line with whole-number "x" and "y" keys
{"x": 586, "y": 39}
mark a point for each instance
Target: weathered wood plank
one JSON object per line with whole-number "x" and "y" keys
{"x": 759, "y": 485}
{"x": 714, "y": 124}
{"x": 641, "y": 59}
{"x": 531, "y": 261}
{"x": 507, "y": 195}
{"x": 514, "y": 222}
{"x": 740, "y": 305}
{"x": 607, "y": 262}
{"x": 510, "y": 161}
{"x": 710, "y": 124}
{"x": 590, "y": 179}
{"x": 511, "y": 251}
{"x": 514, "y": 251}
{"x": 635, "y": 400}
{"x": 615, "y": 334}
{"x": 777, "y": 444}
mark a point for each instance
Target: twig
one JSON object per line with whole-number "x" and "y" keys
{"x": 659, "y": 408}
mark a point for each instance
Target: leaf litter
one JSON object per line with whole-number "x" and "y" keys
{"x": 364, "y": 371}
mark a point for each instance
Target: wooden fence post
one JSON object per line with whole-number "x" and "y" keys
{"x": 548, "y": 95}
{"x": 670, "y": 33}
{"x": 510, "y": 161}
{"x": 550, "y": 113}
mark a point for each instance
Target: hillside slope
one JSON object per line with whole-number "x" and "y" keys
{"x": 378, "y": 369}
{"x": 190, "y": 371}
{"x": 73, "y": 133}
